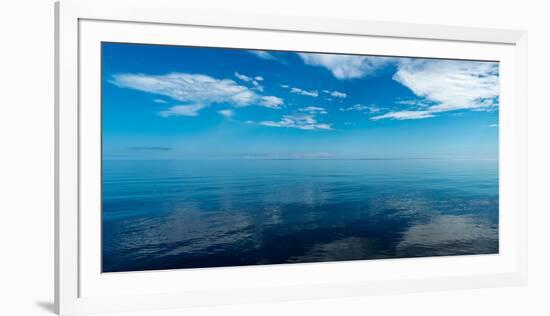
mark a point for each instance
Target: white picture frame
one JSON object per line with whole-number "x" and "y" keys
{"x": 79, "y": 285}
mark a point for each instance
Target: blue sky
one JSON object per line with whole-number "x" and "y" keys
{"x": 177, "y": 102}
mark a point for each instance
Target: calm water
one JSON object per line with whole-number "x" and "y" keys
{"x": 212, "y": 213}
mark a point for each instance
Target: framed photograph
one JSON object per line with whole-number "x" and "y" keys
{"x": 209, "y": 158}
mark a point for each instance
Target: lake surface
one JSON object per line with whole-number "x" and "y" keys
{"x": 213, "y": 213}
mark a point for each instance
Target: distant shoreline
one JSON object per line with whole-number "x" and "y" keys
{"x": 299, "y": 159}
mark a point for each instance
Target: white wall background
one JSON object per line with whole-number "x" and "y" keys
{"x": 26, "y": 168}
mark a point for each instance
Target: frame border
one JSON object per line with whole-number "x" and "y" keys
{"x": 68, "y": 13}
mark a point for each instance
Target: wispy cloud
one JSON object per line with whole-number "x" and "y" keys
{"x": 313, "y": 110}
{"x": 312, "y": 93}
{"x": 188, "y": 87}
{"x": 262, "y": 54}
{"x": 243, "y": 77}
{"x": 493, "y": 125}
{"x": 416, "y": 103}
{"x": 303, "y": 122}
{"x": 404, "y": 115}
{"x": 255, "y": 81}
{"x": 227, "y": 113}
{"x": 271, "y": 102}
{"x": 346, "y": 66}
{"x": 336, "y": 94}
{"x": 159, "y": 101}
{"x": 370, "y": 109}
{"x": 182, "y": 110}
{"x": 487, "y": 105}
{"x": 197, "y": 89}
{"x": 451, "y": 84}
{"x": 446, "y": 85}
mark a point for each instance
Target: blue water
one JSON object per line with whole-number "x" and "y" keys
{"x": 212, "y": 213}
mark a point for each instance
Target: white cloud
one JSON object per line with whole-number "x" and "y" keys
{"x": 313, "y": 110}
{"x": 188, "y": 87}
{"x": 257, "y": 86}
{"x": 336, "y": 94}
{"x": 451, "y": 84}
{"x": 285, "y": 86}
{"x": 262, "y": 54}
{"x": 227, "y": 112}
{"x": 493, "y": 125}
{"x": 446, "y": 85}
{"x": 417, "y": 103}
{"x": 404, "y": 115}
{"x": 253, "y": 80}
{"x": 271, "y": 102}
{"x": 371, "y": 109}
{"x": 487, "y": 105}
{"x": 304, "y": 122}
{"x": 159, "y": 101}
{"x": 182, "y": 110}
{"x": 243, "y": 77}
{"x": 199, "y": 90}
{"x": 312, "y": 93}
{"x": 346, "y": 66}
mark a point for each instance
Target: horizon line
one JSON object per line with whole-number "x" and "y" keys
{"x": 305, "y": 158}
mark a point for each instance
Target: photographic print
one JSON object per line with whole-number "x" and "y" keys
{"x": 219, "y": 157}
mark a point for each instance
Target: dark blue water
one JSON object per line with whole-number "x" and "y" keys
{"x": 212, "y": 213}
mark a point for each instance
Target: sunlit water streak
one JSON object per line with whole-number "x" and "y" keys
{"x": 212, "y": 213}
